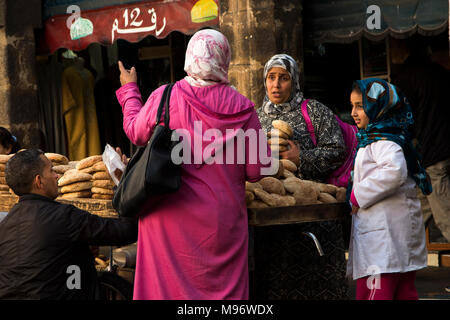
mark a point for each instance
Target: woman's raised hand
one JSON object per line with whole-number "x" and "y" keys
{"x": 127, "y": 76}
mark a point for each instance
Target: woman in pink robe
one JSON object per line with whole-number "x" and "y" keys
{"x": 193, "y": 244}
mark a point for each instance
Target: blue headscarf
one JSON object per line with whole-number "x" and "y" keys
{"x": 390, "y": 118}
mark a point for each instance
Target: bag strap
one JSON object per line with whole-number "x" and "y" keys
{"x": 164, "y": 101}
{"x": 308, "y": 121}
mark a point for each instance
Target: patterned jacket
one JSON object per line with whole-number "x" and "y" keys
{"x": 316, "y": 162}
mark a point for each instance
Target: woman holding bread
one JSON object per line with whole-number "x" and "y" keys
{"x": 193, "y": 243}
{"x": 283, "y": 102}
{"x": 281, "y": 116}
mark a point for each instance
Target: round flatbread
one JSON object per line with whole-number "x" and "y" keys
{"x": 5, "y": 157}
{"x": 102, "y": 190}
{"x": 283, "y": 126}
{"x": 72, "y": 176}
{"x": 2, "y": 180}
{"x": 78, "y": 194}
{"x": 101, "y": 175}
{"x": 4, "y": 187}
{"x": 102, "y": 196}
{"x": 100, "y": 166}
{"x": 57, "y": 158}
{"x": 88, "y": 162}
{"x": 77, "y": 186}
{"x": 61, "y": 169}
{"x": 107, "y": 184}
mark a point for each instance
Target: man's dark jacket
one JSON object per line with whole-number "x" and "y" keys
{"x": 41, "y": 238}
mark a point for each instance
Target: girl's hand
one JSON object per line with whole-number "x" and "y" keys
{"x": 354, "y": 210}
{"x": 127, "y": 76}
{"x": 292, "y": 154}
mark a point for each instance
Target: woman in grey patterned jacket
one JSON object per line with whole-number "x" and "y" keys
{"x": 282, "y": 102}
{"x": 286, "y": 259}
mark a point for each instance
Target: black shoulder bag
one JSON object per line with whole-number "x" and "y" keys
{"x": 151, "y": 170}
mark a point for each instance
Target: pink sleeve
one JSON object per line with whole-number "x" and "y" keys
{"x": 138, "y": 119}
{"x": 253, "y": 168}
{"x": 353, "y": 199}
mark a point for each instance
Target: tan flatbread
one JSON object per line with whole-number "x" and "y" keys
{"x": 88, "y": 162}
{"x": 89, "y": 170}
{"x": 102, "y": 196}
{"x": 101, "y": 175}
{"x": 277, "y": 133}
{"x": 100, "y": 166}
{"x": 2, "y": 166}
{"x": 78, "y": 194}
{"x": 2, "y": 180}
{"x": 57, "y": 158}
{"x": 4, "y": 187}
{"x": 77, "y": 186}
{"x": 283, "y": 126}
{"x": 102, "y": 190}
{"x": 72, "y": 176}
{"x": 107, "y": 184}
{"x": 2, "y": 173}
{"x": 61, "y": 169}
{"x": 289, "y": 165}
{"x": 5, "y": 157}
{"x": 73, "y": 164}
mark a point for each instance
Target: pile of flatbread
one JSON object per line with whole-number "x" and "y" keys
{"x": 102, "y": 184}
{"x": 4, "y": 188}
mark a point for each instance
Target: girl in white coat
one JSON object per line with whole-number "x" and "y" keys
{"x": 387, "y": 243}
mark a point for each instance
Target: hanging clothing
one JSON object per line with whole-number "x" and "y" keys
{"x": 78, "y": 105}
{"x": 49, "y": 75}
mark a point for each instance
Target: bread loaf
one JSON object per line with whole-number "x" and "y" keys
{"x": 257, "y": 204}
{"x": 88, "y": 162}
{"x": 107, "y": 184}
{"x": 100, "y": 166}
{"x": 5, "y": 157}
{"x": 77, "y": 186}
{"x": 272, "y": 185}
{"x": 341, "y": 194}
{"x": 327, "y": 188}
{"x": 283, "y": 126}
{"x": 78, "y": 194}
{"x": 102, "y": 196}
{"x": 305, "y": 195}
{"x": 277, "y": 133}
{"x": 62, "y": 168}
{"x": 283, "y": 201}
{"x": 289, "y": 165}
{"x": 287, "y": 174}
{"x": 4, "y": 187}
{"x": 251, "y": 186}
{"x": 249, "y": 197}
{"x": 72, "y": 176}
{"x": 278, "y": 141}
{"x": 2, "y": 180}
{"x": 102, "y": 190}
{"x": 266, "y": 197}
{"x": 326, "y": 198}
{"x": 101, "y": 175}
{"x": 292, "y": 184}
{"x": 2, "y": 166}
{"x": 56, "y": 158}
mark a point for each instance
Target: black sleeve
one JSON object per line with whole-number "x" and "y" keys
{"x": 94, "y": 230}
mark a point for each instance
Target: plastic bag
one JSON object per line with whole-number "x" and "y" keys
{"x": 113, "y": 162}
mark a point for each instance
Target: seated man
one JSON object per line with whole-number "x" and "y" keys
{"x": 44, "y": 244}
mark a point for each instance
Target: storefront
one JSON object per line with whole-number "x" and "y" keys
{"x": 349, "y": 40}
{"x": 87, "y": 38}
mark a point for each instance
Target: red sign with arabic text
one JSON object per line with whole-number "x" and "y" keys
{"x": 132, "y": 22}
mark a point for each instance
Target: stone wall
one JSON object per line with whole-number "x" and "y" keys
{"x": 256, "y": 30}
{"x": 19, "y": 109}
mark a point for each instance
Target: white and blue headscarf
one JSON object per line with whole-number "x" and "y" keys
{"x": 390, "y": 118}
{"x": 288, "y": 63}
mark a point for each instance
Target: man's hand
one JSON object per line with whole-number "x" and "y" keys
{"x": 127, "y": 76}
{"x": 292, "y": 154}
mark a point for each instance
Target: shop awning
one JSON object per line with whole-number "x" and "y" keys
{"x": 75, "y": 24}
{"x": 344, "y": 21}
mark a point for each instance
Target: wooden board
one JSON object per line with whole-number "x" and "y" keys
{"x": 297, "y": 214}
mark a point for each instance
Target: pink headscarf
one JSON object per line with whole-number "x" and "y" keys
{"x": 208, "y": 56}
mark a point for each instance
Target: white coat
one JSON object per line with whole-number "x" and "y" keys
{"x": 388, "y": 234}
